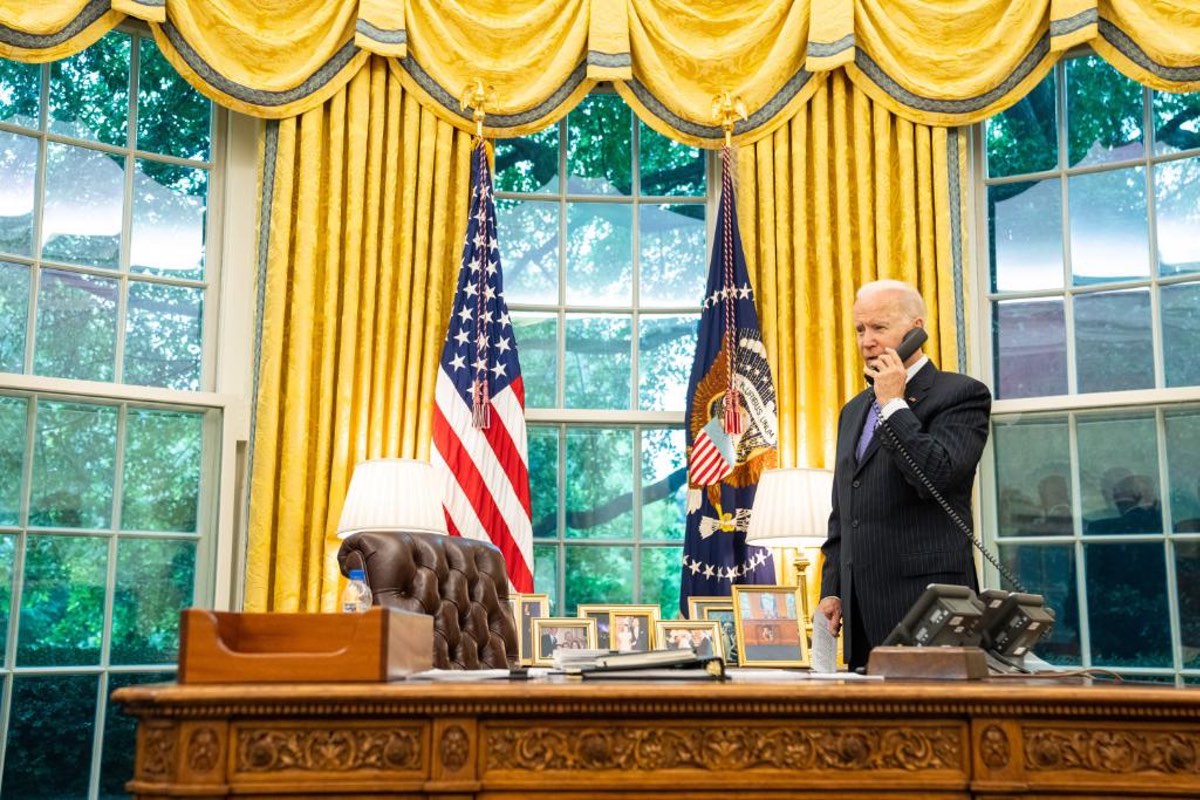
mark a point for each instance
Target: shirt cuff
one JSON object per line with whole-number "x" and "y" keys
{"x": 892, "y": 406}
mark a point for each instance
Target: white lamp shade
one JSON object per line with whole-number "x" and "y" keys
{"x": 791, "y": 508}
{"x": 392, "y": 494}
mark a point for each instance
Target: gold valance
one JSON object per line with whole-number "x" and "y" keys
{"x": 52, "y": 30}
{"x": 930, "y": 63}
{"x": 686, "y": 52}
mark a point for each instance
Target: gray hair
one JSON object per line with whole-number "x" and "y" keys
{"x": 909, "y": 299}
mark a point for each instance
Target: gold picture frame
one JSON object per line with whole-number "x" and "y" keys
{"x": 552, "y": 633}
{"x": 602, "y": 613}
{"x": 697, "y": 604}
{"x": 722, "y": 614}
{"x": 635, "y": 622}
{"x": 770, "y": 632}
{"x": 703, "y": 635}
{"x": 631, "y": 627}
{"x": 526, "y": 604}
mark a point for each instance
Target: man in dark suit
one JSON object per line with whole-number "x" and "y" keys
{"x": 549, "y": 644}
{"x": 888, "y": 536}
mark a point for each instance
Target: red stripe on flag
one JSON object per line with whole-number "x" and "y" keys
{"x": 704, "y": 456}
{"x": 509, "y": 456}
{"x": 708, "y": 465}
{"x": 475, "y": 489}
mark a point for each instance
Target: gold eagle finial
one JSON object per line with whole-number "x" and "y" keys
{"x": 477, "y": 96}
{"x": 726, "y": 110}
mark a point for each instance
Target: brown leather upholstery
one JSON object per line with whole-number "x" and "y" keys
{"x": 461, "y": 583}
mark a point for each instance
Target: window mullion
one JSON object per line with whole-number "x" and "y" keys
{"x": 39, "y": 205}
{"x": 1085, "y": 639}
{"x": 560, "y": 537}
{"x": 123, "y": 266}
{"x": 1168, "y": 545}
{"x": 1064, "y": 168}
{"x": 635, "y": 289}
{"x": 1156, "y": 335}
{"x": 636, "y": 515}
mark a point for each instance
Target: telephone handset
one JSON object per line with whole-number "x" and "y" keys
{"x": 910, "y": 344}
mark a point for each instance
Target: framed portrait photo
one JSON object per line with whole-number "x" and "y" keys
{"x": 603, "y": 616}
{"x": 770, "y": 632}
{"x": 631, "y": 628}
{"x": 678, "y": 634}
{"x": 529, "y": 608}
{"x": 561, "y": 633}
{"x": 723, "y": 616}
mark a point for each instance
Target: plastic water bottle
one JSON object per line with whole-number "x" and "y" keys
{"x": 357, "y": 594}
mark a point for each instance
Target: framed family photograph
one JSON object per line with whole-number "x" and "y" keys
{"x": 631, "y": 628}
{"x": 679, "y": 634}
{"x": 723, "y": 616}
{"x": 720, "y": 610}
{"x": 561, "y": 633}
{"x": 529, "y": 608}
{"x": 602, "y": 615}
{"x": 770, "y": 632}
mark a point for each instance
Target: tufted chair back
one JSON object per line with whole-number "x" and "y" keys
{"x": 461, "y": 583}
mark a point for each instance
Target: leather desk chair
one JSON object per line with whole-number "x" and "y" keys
{"x": 459, "y": 582}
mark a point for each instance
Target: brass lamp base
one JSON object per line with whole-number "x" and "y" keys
{"x": 800, "y": 563}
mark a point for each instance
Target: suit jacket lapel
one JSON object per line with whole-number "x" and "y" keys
{"x": 919, "y": 386}
{"x": 856, "y": 418}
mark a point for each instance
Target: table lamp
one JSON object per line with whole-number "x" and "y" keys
{"x": 791, "y": 509}
{"x": 392, "y": 494}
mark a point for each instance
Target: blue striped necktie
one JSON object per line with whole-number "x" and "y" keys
{"x": 868, "y": 432}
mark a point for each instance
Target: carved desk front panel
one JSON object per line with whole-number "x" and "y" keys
{"x": 638, "y": 739}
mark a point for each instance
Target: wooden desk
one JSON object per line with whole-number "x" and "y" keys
{"x": 570, "y": 741}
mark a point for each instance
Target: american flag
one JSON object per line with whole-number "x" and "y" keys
{"x": 479, "y": 446}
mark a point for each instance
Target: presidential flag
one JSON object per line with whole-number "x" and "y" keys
{"x": 732, "y": 429}
{"x": 479, "y": 445}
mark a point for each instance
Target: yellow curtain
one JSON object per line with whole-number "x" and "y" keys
{"x": 950, "y": 63}
{"x": 50, "y": 31}
{"x": 271, "y": 60}
{"x": 686, "y": 52}
{"x": 931, "y": 63}
{"x": 364, "y": 203}
{"x": 528, "y": 53}
{"x": 846, "y": 192}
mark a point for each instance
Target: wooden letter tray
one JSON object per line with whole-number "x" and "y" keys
{"x": 377, "y": 645}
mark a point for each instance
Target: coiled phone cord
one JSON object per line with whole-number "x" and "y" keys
{"x": 950, "y": 512}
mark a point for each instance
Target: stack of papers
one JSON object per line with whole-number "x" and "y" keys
{"x": 650, "y": 659}
{"x": 823, "y": 656}
{"x": 575, "y": 660}
{"x": 464, "y": 675}
{"x": 674, "y": 664}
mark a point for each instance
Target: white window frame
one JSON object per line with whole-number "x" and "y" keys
{"x": 564, "y": 419}
{"x": 227, "y": 342}
{"x": 1157, "y": 401}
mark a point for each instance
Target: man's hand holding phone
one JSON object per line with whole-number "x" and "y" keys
{"x": 889, "y": 376}
{"x": 887, "y": 371}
